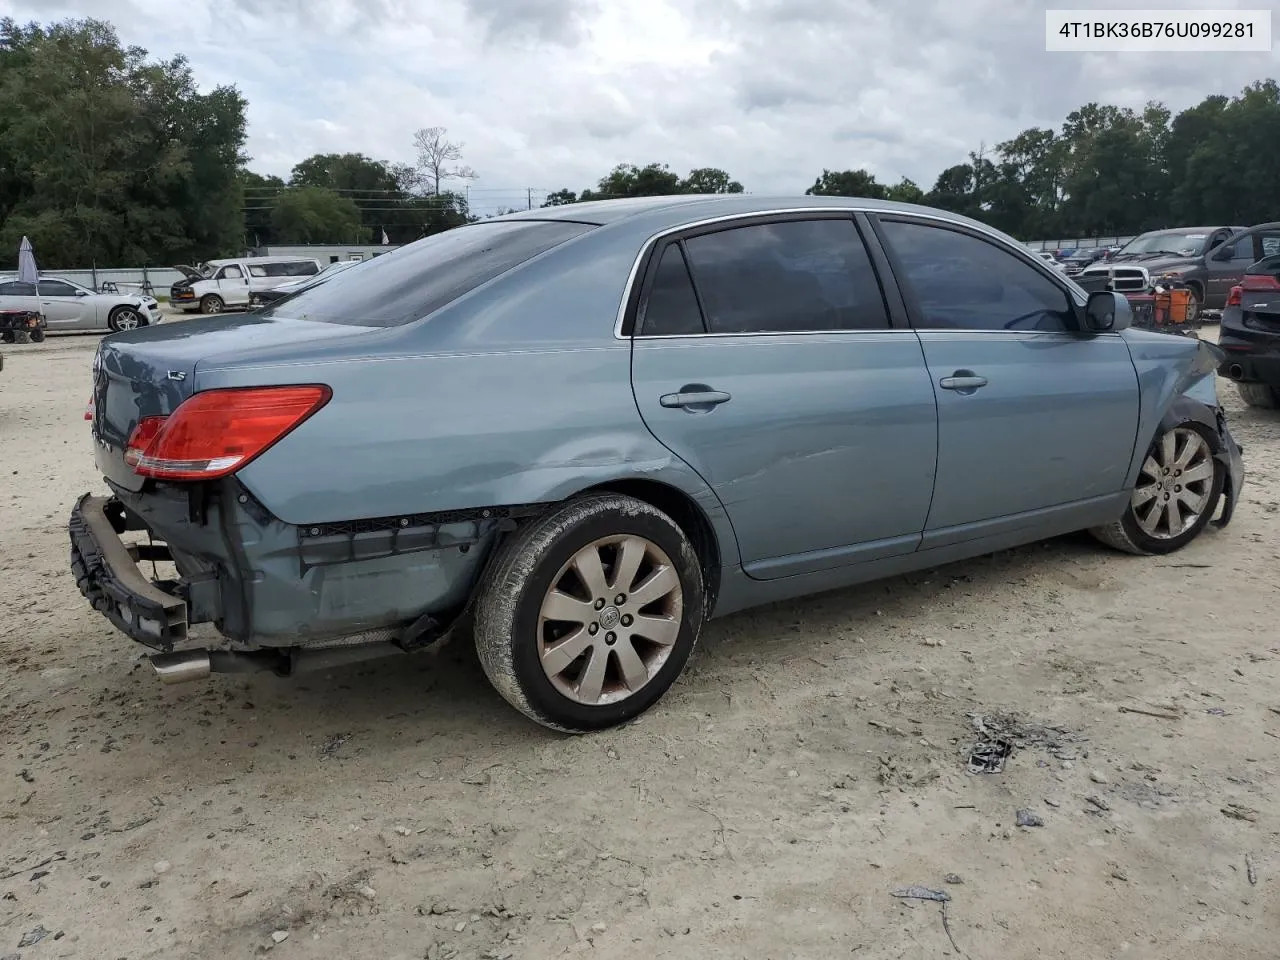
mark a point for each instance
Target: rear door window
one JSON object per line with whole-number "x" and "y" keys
{"x": 427, "y": 275}
{"x": 671, "y": 308}
{"x": 793, "y": 276}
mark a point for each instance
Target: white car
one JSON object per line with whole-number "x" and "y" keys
{"x": 68, "y": 306}
{"x": 1052, "y": 261}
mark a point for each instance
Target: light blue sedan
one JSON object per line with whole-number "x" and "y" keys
{"x": 586, "y": 430}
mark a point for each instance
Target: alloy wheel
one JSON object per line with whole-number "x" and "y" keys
{"x": 1174, "y": 485}
{"x": 127, "y": 319}
{"x": 610, "y": 619}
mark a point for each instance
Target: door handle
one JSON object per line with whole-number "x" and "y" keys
{"x": 694, "y": 398}
{"x": 963, "y": 380}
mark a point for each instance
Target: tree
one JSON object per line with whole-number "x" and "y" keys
{"x": 709, "y": 180}
{"x": 436, "y": 158}
{"x": 629, "y": 180}
{"x": 109, "y": 157}
{"x": 847, "y": 183}
{"x": 316, "y": 215}
{"x": 905, "y": 191}
{"x": 560, "y": 197}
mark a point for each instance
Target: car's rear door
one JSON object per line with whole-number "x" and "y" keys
{"x": 764, "y": 356}
{"x": 1035, "y": 417}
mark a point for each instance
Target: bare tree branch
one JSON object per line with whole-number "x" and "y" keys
{"x": 436, "y": 158}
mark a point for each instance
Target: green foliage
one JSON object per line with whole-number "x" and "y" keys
{"x": 651, "y": 180}
{"x": 316, "y": 215}
{"x": 110, "y": 157}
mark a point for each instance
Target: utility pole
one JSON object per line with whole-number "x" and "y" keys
{"x": 529, "y": 199}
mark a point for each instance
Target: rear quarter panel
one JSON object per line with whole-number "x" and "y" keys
{"x": 517, "y": 393}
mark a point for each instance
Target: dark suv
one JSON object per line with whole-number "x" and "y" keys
{"x": 1250, "y": 334}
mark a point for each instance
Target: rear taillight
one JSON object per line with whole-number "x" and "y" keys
{"x": 1233, "y": 298}
{"x": 1259, "y": 282}
{"x": 216, "y": 432}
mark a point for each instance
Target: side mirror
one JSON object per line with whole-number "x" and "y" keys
{"x": 1226, "y": 253}
{"x": 1107, "y": 312}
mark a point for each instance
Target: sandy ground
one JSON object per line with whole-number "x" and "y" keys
{"x": 811, "y": 762}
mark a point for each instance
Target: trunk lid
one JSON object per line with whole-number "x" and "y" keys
{"x": 147, "y": 372}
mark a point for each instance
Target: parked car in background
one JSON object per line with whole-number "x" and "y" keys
{"x": 214, "y": 286}
{"x": 1082, "y": 258}
{"x": 68, "y": 306}
{"x": 1250, "y": 332}
{"x": 1182, "y": 253}
{"x": 260, "y": 298}
{"x": 1051, "y": 260}
{"x": 659, "y": 410}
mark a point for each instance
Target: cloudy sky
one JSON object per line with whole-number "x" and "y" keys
{"x": 547, "y": 94}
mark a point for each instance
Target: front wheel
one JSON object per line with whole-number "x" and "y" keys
{"x": 589, "y": 614}
{"x": 1177, "y": 492}
{"x": 211, "y": 304}
{"x": 124, "y": 318}
{"x": 36, "y": 335}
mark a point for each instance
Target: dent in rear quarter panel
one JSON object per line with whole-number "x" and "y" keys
{"x": 1168, "y": 366}
{"x": 515, "y": 394}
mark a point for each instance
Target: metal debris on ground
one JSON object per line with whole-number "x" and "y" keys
{"x": 32, "y": 937}
{"x": 1026, "y": 818}
{"x": 921, "y": 893}
{"x": 988, "y": 756}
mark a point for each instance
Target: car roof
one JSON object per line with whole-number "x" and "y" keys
{"x": 673, "y": 211}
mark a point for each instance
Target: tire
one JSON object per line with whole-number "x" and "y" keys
{"x": 211, "y": 303}
{"x": 9, "y": 336}
{"x": 1151, "y": 531}
{"x": 125, "y": 318}
{"x": 36, "y": 335}
{"x": 538, "y": 564}
{"x": 1195, "y": 309}
{"x": 1259, "y": 395}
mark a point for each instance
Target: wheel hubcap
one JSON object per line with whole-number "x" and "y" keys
{"x": 126, "y": 320}
{"x": 1174, "y": 484}
{"x": 610, "y": 620}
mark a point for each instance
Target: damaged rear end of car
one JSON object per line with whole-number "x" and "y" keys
{"x": 214, "y": 437}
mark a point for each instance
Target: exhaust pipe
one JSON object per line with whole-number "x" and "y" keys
{"x": 1235, "y": 371}
{"x": 182, "y": 666}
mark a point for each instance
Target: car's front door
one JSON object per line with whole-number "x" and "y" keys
{"x": 764, "y": 357}
{"x": 1225, "y": 264}
{"x": 64, "y": 306}
{"x": 1033, "y": 414}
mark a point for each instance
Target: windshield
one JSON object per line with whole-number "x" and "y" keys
{"x": 1174, "y": 242}
{"x": 424, "y": 276}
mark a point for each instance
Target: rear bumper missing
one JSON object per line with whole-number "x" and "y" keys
{"x": 106, "y": 571}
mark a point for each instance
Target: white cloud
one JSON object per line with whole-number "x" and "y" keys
{"x": 553, "y": 93}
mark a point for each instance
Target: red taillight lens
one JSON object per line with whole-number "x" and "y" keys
{"x": 88, "y": 408}
{"x": 1233, "y": 298}
{"x": 1259, "y": 281}
{"x": 216, "y": 432}
{"x": 144, "y": 434}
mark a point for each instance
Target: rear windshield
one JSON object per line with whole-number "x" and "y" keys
{"x": 415, "y": 280}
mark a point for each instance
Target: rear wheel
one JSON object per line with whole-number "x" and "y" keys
{"x": 1259, "y": 395}
{"x": 589, "y": 614}
{"x": 211, "y": 303}
{"x": 1177, "y": 492}
{"x": 36, "y": 335}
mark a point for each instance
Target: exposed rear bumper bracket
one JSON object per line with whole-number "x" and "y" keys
{"x": 107, "y": 574}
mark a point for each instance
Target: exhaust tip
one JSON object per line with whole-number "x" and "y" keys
{"x": 183, "y": 666}
{"x": 1235, "y": 371}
